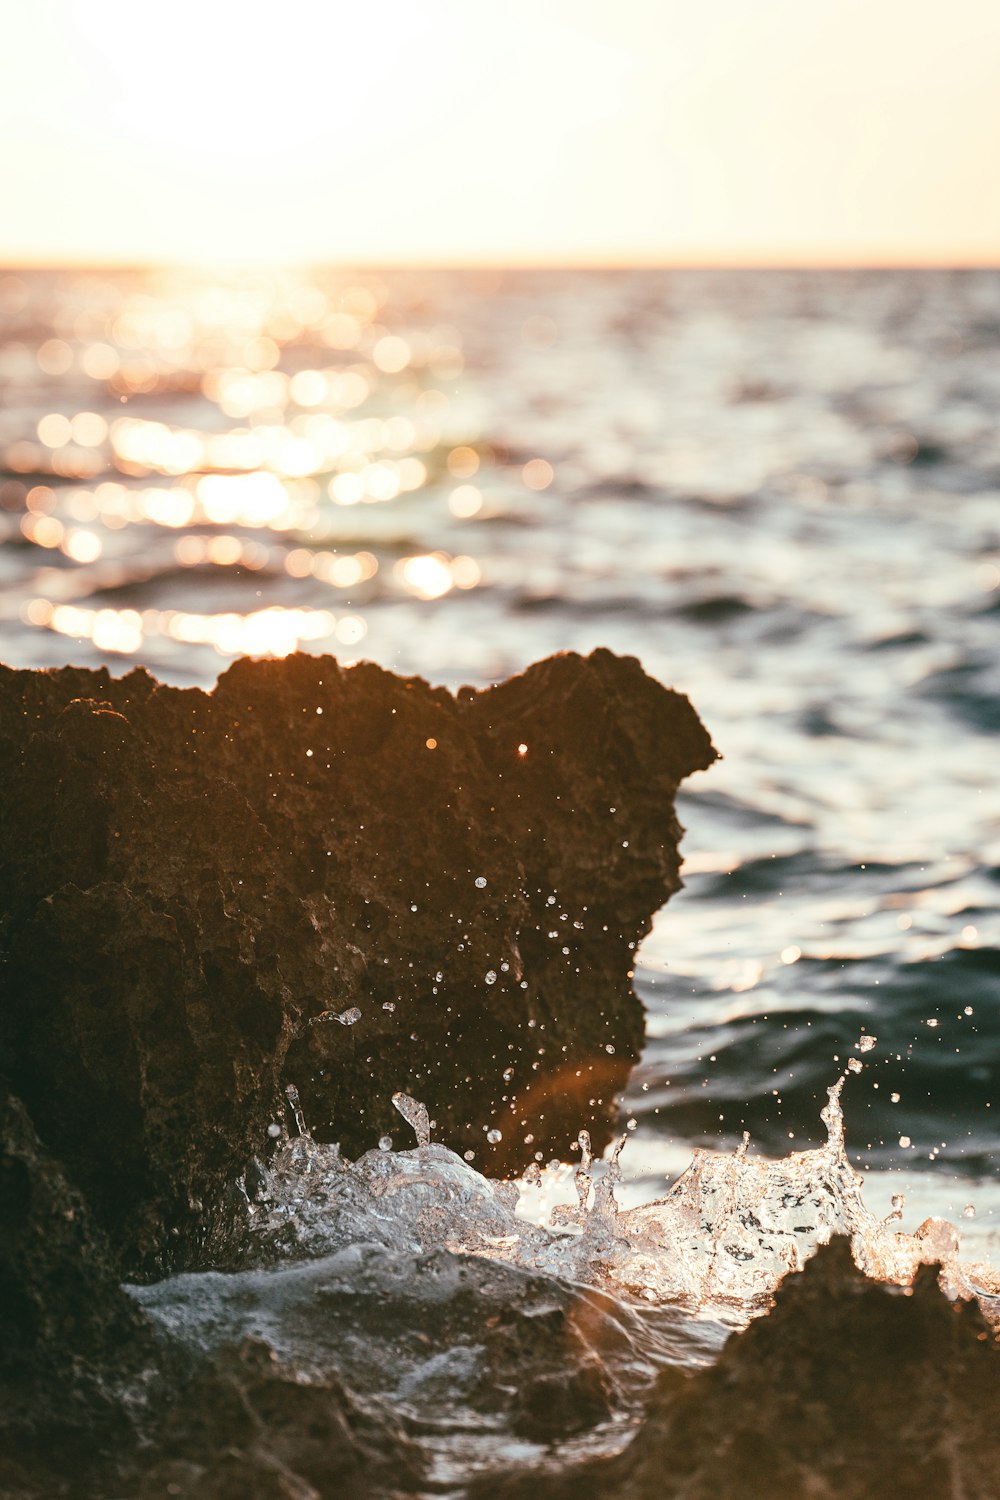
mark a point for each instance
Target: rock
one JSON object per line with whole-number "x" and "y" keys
{"x": 339, "y": 879}
{"x": 247, "y": 1427}
{"x": 78, "y": 1366}
{"x": 849, "y": 1389}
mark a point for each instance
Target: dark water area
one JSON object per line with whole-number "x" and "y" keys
{"x": 778, "y": 490}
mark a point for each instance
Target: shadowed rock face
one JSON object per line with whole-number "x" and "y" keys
{"x": 196, "y": 886}
{"x": 72, "y": 1343}
{"x": 849, "y": 1390}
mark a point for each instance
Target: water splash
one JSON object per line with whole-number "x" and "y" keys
{"x": 415, "y": 1114}
{"x": 718, "y": 1242}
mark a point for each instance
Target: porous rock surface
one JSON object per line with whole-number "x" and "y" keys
{"x": 850, "y": 1389}
{"x": 197, "y": 886}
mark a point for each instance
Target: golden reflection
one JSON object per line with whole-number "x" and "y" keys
{"x": 427, "y": 576}
{"x": 54, "y": 357}
{"x": 55, "y": 430}
{"x": 433, "y": 574}
{"x": 312, "y": 397}
{"x": 224, "y": 550}
{"x": 463, "y": 462}
{"x": 342, "y": 331}
{"x": 141, "y": 447}
{"x": 267, "y": 632}
{"x": 89, "y": 429}
{"x": 308, "y": 388}
{"x": 82, "y": 546}
{"x": 252, "y": 499}
{"x": 341, "y": 571}
{"x": 537, "y": 474}
{"x": 391, "y": 354}
{"x": 174, "y": 508}
{"x": 44, "y": 531}
{"x": 100, "y": 361}
{"x": 465, "y": 572}
{"x": 465, "y": 501}
{"x": 347, "y": 489}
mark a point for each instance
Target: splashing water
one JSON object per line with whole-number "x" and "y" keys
{"x": 415, "y": 1114}
{"x": 717, "y": 1243}
{"x": 468, "y": 1304}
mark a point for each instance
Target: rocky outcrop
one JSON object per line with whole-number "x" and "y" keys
{"x": 338, "y": 879}
{"x": 849, "y": 1389}
{"x": 78, "y": 1365}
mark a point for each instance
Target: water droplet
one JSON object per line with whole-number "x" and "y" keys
{"x": 608, "y": 1047}
{"x": 274, "y": 1131}
{"x": 481, "y": 882}
{"x": 413, "y": 907}
{"x": 415, "y": 1114}
{"x": 385, "y": 1143}
{"x": 894, "y": 1098}
{"x": 469, "y": 1155}
{"x": 494, "y": 1136}
{"x": 969, "y": 1211}
{"x": 491, "y": 976}
{"x": 292, "y": 1095}
{"x": 508, "y": 1074}
{"x": 904, "y": 1141}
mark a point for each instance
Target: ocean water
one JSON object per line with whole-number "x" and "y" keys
{"x": 779, "y": 490}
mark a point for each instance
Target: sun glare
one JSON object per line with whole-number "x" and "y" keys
{"x": 449, "y": 132}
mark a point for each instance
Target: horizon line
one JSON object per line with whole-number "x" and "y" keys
{"x": 776, "y": 263}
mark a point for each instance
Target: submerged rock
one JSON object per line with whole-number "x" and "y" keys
{"x": 245, "y": 1426}
{"x": 850, "y": 1389}
{"x": 339, "y": 879}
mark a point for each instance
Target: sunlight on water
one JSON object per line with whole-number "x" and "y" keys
{"x": 717, "y": 1243}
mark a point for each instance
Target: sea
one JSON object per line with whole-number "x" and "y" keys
{"x": 780, "y": 490}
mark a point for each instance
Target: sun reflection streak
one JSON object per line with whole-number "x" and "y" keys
{"x": 263, "y": 404}
{"x": 273, "y": 631}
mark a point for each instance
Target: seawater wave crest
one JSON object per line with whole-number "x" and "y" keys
{"x": 717, "y": 1243}
{"x": 497, "y": 1321}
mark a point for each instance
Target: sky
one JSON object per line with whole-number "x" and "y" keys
{"x": 452, "y": 132}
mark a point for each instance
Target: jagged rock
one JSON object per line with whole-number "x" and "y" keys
{"x": 850, "y": 1389}
{"x": 201, "y": 890}
{"x": 78, "y": 1365}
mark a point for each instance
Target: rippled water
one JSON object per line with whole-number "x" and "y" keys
{"x": 779, "y": 491}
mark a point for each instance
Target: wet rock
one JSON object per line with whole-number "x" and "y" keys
{"x": 78, "y": 1365}
{"x": 247, "y": 1428}
{"x": 336, "y": 878}
{"x": 849, "y": 1389}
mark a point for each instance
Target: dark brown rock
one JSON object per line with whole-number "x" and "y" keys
{"x": 248, "y": 1429}
{"x": 78, "y": 1365}
{"x": 196, "y": 885}
{"x": 849, "y": 1389}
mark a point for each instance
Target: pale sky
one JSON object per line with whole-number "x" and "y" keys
{"x": 501, "y": 131}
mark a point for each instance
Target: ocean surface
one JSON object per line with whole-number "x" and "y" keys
{"x": 779, "y": 490}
